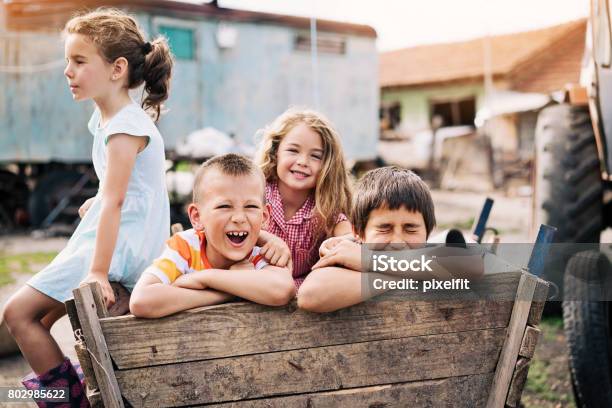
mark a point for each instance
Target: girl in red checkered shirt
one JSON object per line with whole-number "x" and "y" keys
{"x": 307, "y": 188}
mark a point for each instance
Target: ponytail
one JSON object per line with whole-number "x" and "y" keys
{"x": 156, "y": 72}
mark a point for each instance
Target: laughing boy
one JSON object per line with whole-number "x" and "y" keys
{"x": 217, "y": 259}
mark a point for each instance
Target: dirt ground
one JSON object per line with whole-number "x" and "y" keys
{"x": 548, "y": 383}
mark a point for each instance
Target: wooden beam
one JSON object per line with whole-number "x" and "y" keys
{"x": 530, "y": 341}
{"x": 90, "y": 306}
{"x": 514, "y": 337}
{"x": 457, "y": 392}
{"x": 519, "y": 378}
{"x": 314, "y": 369}
{"x": 539, "y": 301}
{"x": 247, "y": 328}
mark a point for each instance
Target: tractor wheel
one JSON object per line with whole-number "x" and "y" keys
{"x": 568, "y": 190}
{"x": 586, "y": 319}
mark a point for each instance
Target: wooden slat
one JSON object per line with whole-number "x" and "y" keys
{"x": 530, "y": 341}
{"x": 98, "y": 299}
{"x": 519, "y": 378}
{"x": 539, "y": 300}
{"x": 516, "y": 330}
{"x": 314, "y": 369}
{"x": 86, "y": 366}
{"x": 95, "y": 400}
{"x": 72, "y": 316}
{"x": 456, "y": 392}
{"x": 92, "y": 388}
{"x": 87, "y": 303}
{"x": 246, "y": 328}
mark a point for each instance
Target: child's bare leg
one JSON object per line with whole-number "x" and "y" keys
{"x": 23, "y": 314}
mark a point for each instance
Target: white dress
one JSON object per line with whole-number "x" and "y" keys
{"x": 145, "y": 214}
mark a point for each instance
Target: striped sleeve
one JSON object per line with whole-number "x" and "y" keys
{"x": 258, "y": 260}
{"x": 174, "y": 261}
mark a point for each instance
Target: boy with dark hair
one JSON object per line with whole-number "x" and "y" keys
{"x": 392, "y": 209}
{"x": 217, "y": 259}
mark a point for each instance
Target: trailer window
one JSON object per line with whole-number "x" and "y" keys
{"x": 601, "y": 30}
{"x": 326, "y": 44}
{"x": 181, "y": 40}
{"x": 460, "y": 112}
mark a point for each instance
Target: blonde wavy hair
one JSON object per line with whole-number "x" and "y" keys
{"x": 333, "y": 193}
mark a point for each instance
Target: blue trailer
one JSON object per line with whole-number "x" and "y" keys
{"x": 235, "y": 71}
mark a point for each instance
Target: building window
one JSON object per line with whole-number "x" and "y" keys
{"x": 326, "y": 44}
{"x": 181, "y": 40}
{"x": 459, "y": 112}
{"x": 390, "y": 115}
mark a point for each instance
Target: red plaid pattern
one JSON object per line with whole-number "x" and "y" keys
{"x": 298, "y": 232}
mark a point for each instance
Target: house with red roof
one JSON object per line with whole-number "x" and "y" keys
{"x": 504, "y": 79}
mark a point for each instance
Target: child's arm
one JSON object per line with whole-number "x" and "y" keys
{"x": 121, "y": 152}
{"x": 337, "y": 282}
{"x": 333, "y": 288}
{"x": 272, "y": 286}
{"x": 274, "y": 249}
{"x": 446, "y": 262}
{"x": 151, "y": 298}
{"x": 340, "y": 252}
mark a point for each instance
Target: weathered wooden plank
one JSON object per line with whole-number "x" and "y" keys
{"x": 95, "y": 399}
{"x": 86, "y": 366}
{"x": 245, "y": 328}
{"x": 82, "y": 354}
{"x": 519, "y": 378}
{"x": 530, "y": 341}
{"x": 87, "y": 302}
{"x": 98, "y": 300}
{"x": 456, "y": 392}
{"x": 73, "y": 316}
{"x": 539, "y": 300}
{"x": 315, "y": 369}
{"x": 514, "y": 336}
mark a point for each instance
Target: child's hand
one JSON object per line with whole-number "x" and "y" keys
{"x": 330, "y": 243}
{"x": 83, "y": 209}
{"x": 189, "y": 282}
{"x": 244, "y": 265}
{"x": 344, "y": 253}
{"x": 102, "y": 279}
{"x": 276, "y": 252}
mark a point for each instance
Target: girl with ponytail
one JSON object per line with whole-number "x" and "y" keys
{"x": 124, "y": 227}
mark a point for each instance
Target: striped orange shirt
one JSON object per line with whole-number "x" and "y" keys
{"x": 185, "y": 252}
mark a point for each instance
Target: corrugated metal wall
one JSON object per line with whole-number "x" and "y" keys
{"x": 236, "y": 90}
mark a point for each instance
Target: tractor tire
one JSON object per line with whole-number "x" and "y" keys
{"x": 48, "y": 192}
{"x": 568, "y": 190}
{"x": 586, "y": 320}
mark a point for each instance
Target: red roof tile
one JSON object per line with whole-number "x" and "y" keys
{"x": 465, "y": 60}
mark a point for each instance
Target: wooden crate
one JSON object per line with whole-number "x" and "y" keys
{"x": 439, "y": 350}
